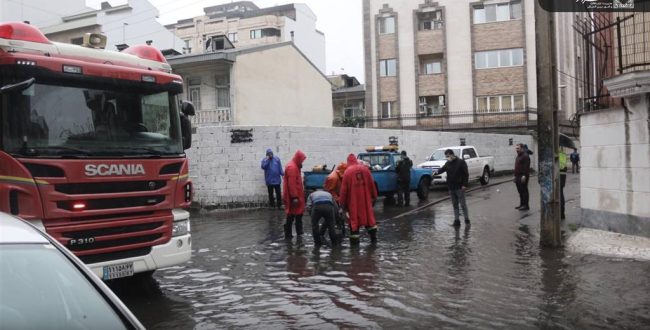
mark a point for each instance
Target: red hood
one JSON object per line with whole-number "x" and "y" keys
{"x": 299, "y": 157}
{"x": 352, "y": 160}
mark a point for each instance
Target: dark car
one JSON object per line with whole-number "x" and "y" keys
{"x": 44, "y": 286}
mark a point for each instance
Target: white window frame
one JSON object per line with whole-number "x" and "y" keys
{"x": 434, "y": 24}
{"x": 383, "y": 27}
{"x": 424, "y": 106}
{"x": 482, "y": 18}
{"x": 391, "y": 105}
{"x": 256, "y": 34}
{"x": 233, "y": 37}
{"x": 500, "y": 101}
{"x": 426, "y": 65}
{"x": 499, "y": 52}
{"x": 384, "y": 67}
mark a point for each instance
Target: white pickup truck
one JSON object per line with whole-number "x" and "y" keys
{"x": 480, "y": 168}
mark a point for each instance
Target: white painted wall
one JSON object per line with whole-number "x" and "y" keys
{"x": 278, "y": 86}
{"x": 306, "y": 38}
{"x": 142, "y": 26}
{"x": 531, "y": 55}
{"x": 40, "y": 13}
{"x": 225, "y": 174}
{"x": 615, "y": 157}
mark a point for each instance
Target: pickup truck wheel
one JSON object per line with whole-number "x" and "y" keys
{"x": 485, "y": 178}
{"x": 423, "y": 188}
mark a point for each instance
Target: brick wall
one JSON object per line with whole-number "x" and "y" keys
{"x": 430, "y": 41}
{"x": 431, "y": 84}
{"x": 498, "y": 35}
{"x": 500, "y": 81}
{"x": 228, "y": 174}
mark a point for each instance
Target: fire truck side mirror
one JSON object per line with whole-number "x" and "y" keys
{"x": 187, "y": 108}
{"x": 186, "y": 131}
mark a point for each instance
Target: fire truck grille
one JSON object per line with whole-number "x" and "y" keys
{"x": 109, "y": 187}
{"x": 94, "y": 258}
{"x": 113, "y": 230}
{"x": 114, "y": 243}
{"x": 112, "y": 203}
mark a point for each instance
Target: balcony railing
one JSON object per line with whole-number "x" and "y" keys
{"x": 218, "y": 117}
{"x": 521, "y": 119}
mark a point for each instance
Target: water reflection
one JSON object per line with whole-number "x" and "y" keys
{"x": 420, "y": 275}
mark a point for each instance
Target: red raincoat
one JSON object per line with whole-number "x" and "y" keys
{"x": 358, "y": 191}
{"x": 333, "y": 181}
{"x": 292, "y": 186}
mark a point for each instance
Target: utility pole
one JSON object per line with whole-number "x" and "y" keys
{"x": 547, "y": 128}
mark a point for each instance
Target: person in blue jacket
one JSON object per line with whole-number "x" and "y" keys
{"x": 273, "y": 173}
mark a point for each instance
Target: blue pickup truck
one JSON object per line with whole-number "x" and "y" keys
{"x": 382, "y": 166}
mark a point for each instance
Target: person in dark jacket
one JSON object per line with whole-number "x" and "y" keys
{"x": 403, "y": 169}
{"x": 575, "y": 161}
{"x": 457, "y": 181}
{"x": 273, "y": 173}
{"x": 322, "y": 205}
{"x": 522, "y": 173}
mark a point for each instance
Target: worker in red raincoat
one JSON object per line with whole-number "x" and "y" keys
{"x": 294, "y": 195}
{"x": 358, "y": 194}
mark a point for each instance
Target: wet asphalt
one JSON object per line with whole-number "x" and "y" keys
{"x": 423, "y": 273}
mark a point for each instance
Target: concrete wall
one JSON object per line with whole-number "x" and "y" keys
{"x": 615, "y": 175}
{"x": 306, "y": 37}
{"x": 228, "y": 174}
{"x": 278, "y": 86}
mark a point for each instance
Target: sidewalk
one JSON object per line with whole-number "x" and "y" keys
{"x": 501, "y": 199}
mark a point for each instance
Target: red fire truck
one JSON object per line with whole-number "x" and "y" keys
{"x": 92, "y": 149}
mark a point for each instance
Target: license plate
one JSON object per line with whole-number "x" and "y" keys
{"x": 117, "y": 271}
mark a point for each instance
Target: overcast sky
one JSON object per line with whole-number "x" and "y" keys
{"x": 340, "y": 20}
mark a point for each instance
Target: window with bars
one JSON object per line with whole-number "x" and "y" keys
{"x": 430, "y": 20}
{"x": 223, "y": 91}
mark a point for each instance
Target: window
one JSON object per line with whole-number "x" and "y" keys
{"x": 471, "y": 152}
{"x": 432, "y": 105}
{"x": 431, "y": 20}
{"x": 387, "y": 25}
{"x": 500, "y": 103}
{"x": 388, "y": 68}
{"x": 232, "y": 36}
{"x": 215, "y": 43}
{"x": 499, "y": 58}
{"x": 389, "y": 109}
{"x": 187, "y": 48}
{"x": 256, "y": 34}
{"x": 431, "y": 64}
{"x": 497, "y": 12}
{"x": 77, "y": 41}
{"x": 223, "y": 91}
{"x": 194, "y": 91}
{"x": 352, "y": 110}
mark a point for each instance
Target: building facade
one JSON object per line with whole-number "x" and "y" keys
{"x": 129, "y": 24}
{"x": 449, "y": 62}
{"x": 244, "y": 24}
{"x": 348, "y": 100}
{"x": 272, "y": 84}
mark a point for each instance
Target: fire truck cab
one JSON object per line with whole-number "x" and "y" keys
{"x": 92, "y": 149}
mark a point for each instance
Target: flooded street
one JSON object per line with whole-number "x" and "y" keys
{"x": 423, "y": 273}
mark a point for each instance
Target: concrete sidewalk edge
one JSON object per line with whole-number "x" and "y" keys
{"x": 609, "y": 244}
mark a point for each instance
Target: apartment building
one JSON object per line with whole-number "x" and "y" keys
{"x": 447, "y": 62}
{"x": 131, "y": 23}
{"x": 243, "y": 24}
{"x": 348, "y": 99}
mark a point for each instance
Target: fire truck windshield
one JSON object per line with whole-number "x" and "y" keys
{"x": 47, "y": 120}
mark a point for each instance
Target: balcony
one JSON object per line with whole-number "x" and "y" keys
{"x": 216, "y": 117}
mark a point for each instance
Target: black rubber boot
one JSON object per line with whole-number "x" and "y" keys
{"x": 456, "y": 223}
{"x": 373, "y": 235}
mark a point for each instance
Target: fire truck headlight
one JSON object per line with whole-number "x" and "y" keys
{"x": 181, "y": 228}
